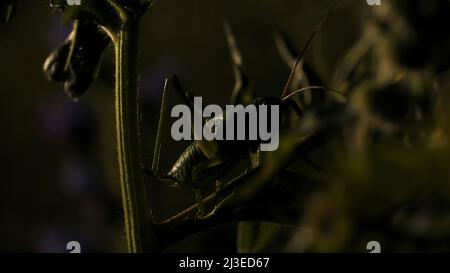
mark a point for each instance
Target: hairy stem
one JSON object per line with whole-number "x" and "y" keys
{"x": 138, "y": 225}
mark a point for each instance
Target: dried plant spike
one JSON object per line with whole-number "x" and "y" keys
{"x": 241, "y": 93}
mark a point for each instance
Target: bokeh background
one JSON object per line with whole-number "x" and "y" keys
{"x": 58, "y": 170}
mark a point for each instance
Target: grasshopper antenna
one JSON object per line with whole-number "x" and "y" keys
{"x": 323, "y": 88}
{"x": 300, "y": 57}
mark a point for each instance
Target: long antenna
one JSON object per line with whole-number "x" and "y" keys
{"x": 302, "y": 53}
{"x": 314, "y": 87}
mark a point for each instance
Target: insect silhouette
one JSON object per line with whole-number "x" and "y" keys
{"x": 203, "y": 161}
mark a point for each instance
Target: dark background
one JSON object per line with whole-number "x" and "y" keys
{"x": 58, "y": 170}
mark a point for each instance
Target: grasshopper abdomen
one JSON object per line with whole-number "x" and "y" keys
{"x": 181, "y": 171}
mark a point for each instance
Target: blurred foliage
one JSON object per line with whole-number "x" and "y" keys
{"x": 387, "y": 175}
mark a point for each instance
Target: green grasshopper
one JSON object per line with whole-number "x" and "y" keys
{"x": 205, "y": 161}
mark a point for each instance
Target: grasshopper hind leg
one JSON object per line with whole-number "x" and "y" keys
{"x": 172, "y": 82}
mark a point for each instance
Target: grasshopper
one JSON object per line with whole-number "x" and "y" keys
{"x": 205, "y": 161}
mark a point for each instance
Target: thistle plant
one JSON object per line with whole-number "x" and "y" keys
{"x": 96, "y": 24}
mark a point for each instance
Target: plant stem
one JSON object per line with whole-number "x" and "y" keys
{"x": 138, "y": 225}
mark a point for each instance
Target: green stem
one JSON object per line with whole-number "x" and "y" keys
{"x": 138, "y": 225}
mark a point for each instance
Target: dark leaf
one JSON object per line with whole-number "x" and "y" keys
{"x": 75, "y": 63}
